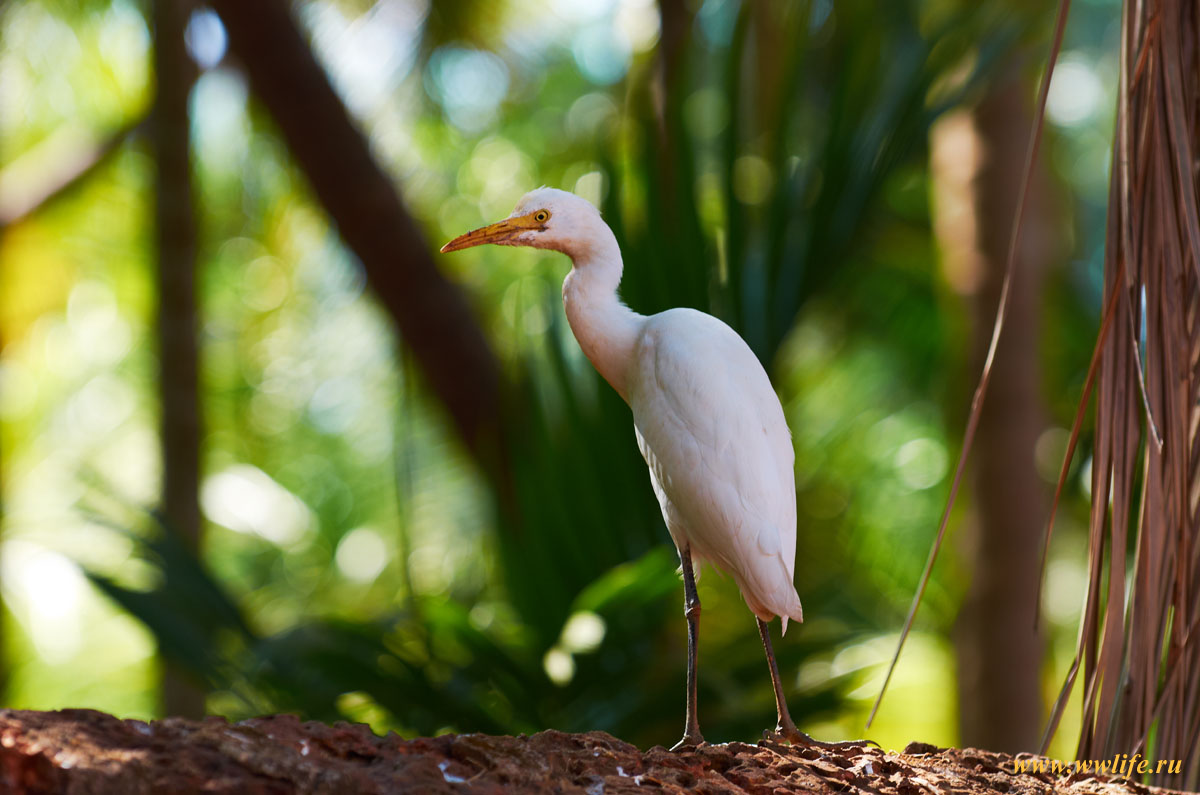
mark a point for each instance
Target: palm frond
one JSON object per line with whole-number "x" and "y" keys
{"x": 1138, "y": 651}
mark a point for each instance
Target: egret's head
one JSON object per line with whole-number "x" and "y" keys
{"x": 544, "y": 218}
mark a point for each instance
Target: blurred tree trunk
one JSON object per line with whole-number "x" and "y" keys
{"x": 3, "y": 481}
{"x": 178, "y": 356}
{"x": 433, "y": 316}
{"x": 978, "y": 161}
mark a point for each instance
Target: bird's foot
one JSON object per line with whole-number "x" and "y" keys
{"x": 690, "y": 742}
{"x": 790, "y": 734}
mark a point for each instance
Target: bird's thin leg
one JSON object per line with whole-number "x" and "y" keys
{"x": 785, "y": 729}
{"x": 691, "y": 609}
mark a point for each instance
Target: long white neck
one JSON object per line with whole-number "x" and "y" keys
{"x": 606, "y": 329}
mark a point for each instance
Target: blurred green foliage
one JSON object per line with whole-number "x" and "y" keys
{"x": 355, "y": 564}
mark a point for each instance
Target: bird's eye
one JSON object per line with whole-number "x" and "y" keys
{"x": 541, "y": 216}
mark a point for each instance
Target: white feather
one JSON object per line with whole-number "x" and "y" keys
{"x": 713, "y": 433}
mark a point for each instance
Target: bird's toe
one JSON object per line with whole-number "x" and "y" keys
{"x": 690, "y": 742}
{"x": 790, "y": 734}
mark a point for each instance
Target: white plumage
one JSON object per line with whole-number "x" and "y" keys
{"x": 707, "y": 420}
{"x": 720, "y": 455}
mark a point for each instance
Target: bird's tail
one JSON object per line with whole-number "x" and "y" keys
{"x": 791, "y": 607}
{"x": 775, "y": 595}
{"x": 797, "y": 613}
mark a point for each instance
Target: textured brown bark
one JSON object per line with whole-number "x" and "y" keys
{"x": 175, "y": 228}
{"x": 432, "y": 313}
{"x": 999, "y": 653}
{"x": 81, "y": 751}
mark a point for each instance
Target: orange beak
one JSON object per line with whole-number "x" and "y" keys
{"x": 501, "y": 233}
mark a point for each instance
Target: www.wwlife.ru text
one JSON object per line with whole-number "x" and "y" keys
{"x": 1119, "y": 765}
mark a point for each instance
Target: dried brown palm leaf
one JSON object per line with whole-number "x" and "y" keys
{"x": 1138, "y": 647}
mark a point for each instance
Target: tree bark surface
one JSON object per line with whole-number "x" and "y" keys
{"x": 82, "y": 751}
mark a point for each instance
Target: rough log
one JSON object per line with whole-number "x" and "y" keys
{"x": 83, "y": 751}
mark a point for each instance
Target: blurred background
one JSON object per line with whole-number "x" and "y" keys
{"x": 262, "y": 449}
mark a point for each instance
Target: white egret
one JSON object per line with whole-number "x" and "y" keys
{"x": 707, "y": 421}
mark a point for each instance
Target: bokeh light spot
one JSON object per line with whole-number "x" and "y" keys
{"x": 361, "y": 555}
{"x": 583, "y": 632}
{"x": 206, "y": 38}
{"x": 559, "y": 666}
{"x": 1075, "y": 92}
{"x": 51, "y": 589}
{"x": 921, "y": 463}
{"x": 601, "y": 54}
{"x": 469, "y": 85}
{"x": 246, "y": 500}
{"x": 752, "y": 179}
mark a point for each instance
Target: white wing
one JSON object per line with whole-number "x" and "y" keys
{"x": 712, "y": 431}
